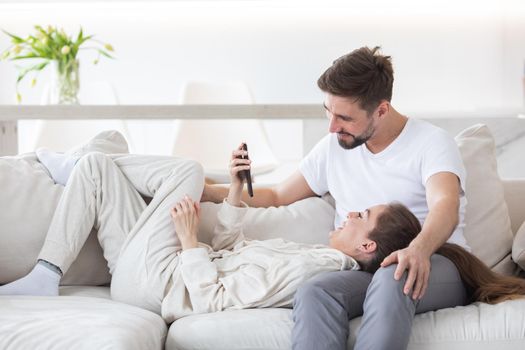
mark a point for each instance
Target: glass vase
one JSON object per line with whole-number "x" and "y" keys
{"x": 65, "y": 83}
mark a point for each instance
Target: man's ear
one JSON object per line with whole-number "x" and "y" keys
{"x": 368, "y": 246}
{"x": 383, "y": 108}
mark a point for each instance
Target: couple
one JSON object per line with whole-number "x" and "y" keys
{"x": 373, "y": 155}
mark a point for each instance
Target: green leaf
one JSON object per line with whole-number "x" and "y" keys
{"x": 103, "y": 53}
{"x": 84, "y": 39}
{"x": 41, "y": 30}
{"x": 36, "y": 67}
{"x": 38, "y": 51}
{"x": 38, "y": 27}
{"x": 79, "y": 36}
{"x": 48, "y": 44}
{"x": 78, "y": 43}
{"x": 29, "y": 55}
{"x": 16, "y": 39}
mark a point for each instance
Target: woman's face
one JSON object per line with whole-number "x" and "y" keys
{"x": 352, "y": 237}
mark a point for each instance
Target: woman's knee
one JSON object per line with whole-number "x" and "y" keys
{"x": 184, "y": 168}
{"x": 195, "y": 168}
{"x": 194, "y": 174}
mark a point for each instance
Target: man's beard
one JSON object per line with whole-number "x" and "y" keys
{"x": 356, "y": 140}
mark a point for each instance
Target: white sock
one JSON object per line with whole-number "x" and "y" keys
{"x": 60, "y": 165}
{"x": 40, "y": 281}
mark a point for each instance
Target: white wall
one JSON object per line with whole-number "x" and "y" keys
{"x": 448, "y": 55}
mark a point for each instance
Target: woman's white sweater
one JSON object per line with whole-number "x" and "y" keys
{"x": 235, "y": 273}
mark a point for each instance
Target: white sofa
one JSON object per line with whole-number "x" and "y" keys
{"x": 84, "y": 317}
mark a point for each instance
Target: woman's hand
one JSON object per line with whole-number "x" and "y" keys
{"x": 237, "y": 165}
{"x": 185, "y": 216}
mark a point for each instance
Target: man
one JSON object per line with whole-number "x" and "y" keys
{"x": 374, "y": 155}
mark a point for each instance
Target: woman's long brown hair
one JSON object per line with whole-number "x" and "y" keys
{"x": 396, "y": 227}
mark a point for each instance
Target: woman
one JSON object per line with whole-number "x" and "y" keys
{"x": 396, "y": 227}
{"x": 150, "y": 270}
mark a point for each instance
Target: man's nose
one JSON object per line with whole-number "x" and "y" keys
{"x": 333, "y": 125}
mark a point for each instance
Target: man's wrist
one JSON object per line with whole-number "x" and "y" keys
{"x": 422, "y": 247}
{"x": 214, "y": 194}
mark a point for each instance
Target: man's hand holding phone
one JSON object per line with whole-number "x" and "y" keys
{"x": 240, "y": 166}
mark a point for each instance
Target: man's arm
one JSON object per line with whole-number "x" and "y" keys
{"x": 291, "y": 190}
{"x": 442, "y": 193}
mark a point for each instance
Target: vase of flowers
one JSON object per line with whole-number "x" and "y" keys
{"x": 65, "y": 83}
{"x": 53, "y": 47}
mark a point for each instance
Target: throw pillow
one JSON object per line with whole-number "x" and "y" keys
{"x": 487, "y": 222}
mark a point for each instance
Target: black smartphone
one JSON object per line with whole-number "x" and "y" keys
{"x": 247, "y": 173}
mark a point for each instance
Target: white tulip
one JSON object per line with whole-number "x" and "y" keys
{"x": 17, "y": 49}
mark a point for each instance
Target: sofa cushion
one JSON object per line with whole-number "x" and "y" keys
{"x": 515, "y": 199}
{"x": 74, "y": 322}
{"x": 28, "y": 201}
{"x": 232, "y": 329}
{"x": 306, "y": 221}
{"x": 476, "y": 326}
{"x": 102, "y": 292}
{"x": 518, "y": 247}
{"x": 487, "y": 222}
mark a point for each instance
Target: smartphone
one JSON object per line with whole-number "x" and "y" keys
{"x": 247, "y": 173}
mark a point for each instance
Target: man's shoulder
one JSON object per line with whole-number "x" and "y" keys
{"x": 427, "y": 132}
{"x": 435, "y": 145}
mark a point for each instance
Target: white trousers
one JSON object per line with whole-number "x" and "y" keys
{"x": 138, "y": 240}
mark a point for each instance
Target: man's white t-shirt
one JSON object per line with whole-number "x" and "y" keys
{"x": 358, "y": 179}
